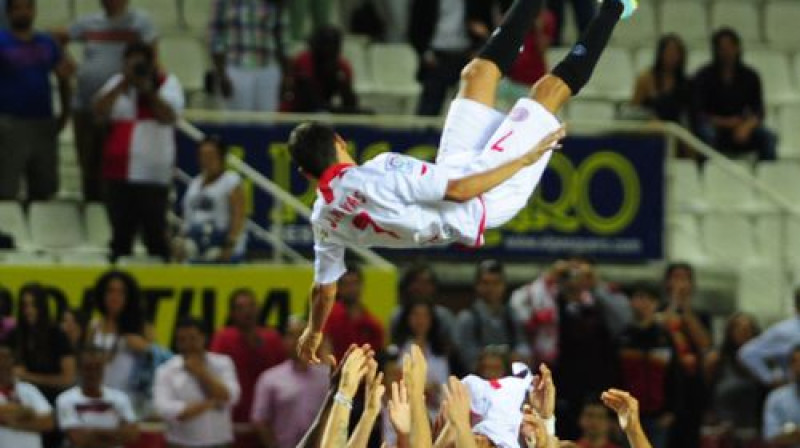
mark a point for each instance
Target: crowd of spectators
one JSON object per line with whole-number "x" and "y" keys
{"x": 244, "y": 386}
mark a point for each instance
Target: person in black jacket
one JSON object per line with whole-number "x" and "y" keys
{"x": 729, "y": 102}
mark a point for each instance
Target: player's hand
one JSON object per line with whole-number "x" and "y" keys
{"x": 399, "y": 409}
{"x": 532, "y": 429}
{"x": 354, "y": 369}
{"x": 548, "y": 143}
{"x": 543, "y": 396}
{"x": 458, "y": 403}
{"x": 625, "y": 405}
{"x": 415, "y": 371}
{"x": 308, "y": 345}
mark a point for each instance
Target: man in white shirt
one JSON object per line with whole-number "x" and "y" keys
{"x": 24, "y": 412}
{"x": 195, "y": 391}
{"x": 92, "y": 415}
{"x": 486, "y": 170}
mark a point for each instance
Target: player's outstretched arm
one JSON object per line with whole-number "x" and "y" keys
{"x": 466, "y": 188}
{"x": 627, "y": 408}
{"x": 322, "y": 298}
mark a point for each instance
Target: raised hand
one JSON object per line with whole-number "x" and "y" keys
{"x": 543, "y": 395}
{"x": 415, "y": 371}
{"x": 308, "y": 345}
{"x": 354, "y": 368}
{"x": 458, "y": 403}
{"x": 549, "y": 142}
{"x": 399, "y": 409}
{"x": 532, "y": 428}
{"x": 374, "y": 387}
{"x": 625, "y": 405}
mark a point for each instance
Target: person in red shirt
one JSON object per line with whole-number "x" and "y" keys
{"x": 253, "y": 350}
{"x": 350, "y": 322}
{"x": 595, "y": 422}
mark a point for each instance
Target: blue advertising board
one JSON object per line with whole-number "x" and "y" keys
{"x": 601, "y": 196}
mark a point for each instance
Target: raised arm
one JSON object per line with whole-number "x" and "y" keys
{"x": 322, "y": 298}
{"x": 355, "y": 367}
{"x": 627, "y": 410}
{"x": 472, "y": 186}
{"x": 415, "y": 370}
{"x": 373, "y": 396}
{"x": 458, "y": 407}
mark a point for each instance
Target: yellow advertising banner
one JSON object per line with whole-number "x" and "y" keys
{"x": 172, "y": 291}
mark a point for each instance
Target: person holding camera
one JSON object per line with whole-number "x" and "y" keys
{"x": 141, "y": 106}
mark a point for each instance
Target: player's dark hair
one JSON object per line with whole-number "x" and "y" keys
{"x": 679, "y": 73}
{"x": 490, "y": 266}
{"x": 716, "y": 41}
{"x": 312, "y": 146}
{"x": 218, "y": 144}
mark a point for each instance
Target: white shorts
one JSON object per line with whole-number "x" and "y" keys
{"x": 477, "y": 138}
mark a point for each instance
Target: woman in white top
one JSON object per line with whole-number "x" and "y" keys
{"x": 213, "y": 209}
{"x": 418, "y": 324}
{"x": 122, "y": 333}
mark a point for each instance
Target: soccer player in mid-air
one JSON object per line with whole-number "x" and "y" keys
{"x": 487, "y": 167}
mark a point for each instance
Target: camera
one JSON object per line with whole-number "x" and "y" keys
{"x": 142, "y": 69}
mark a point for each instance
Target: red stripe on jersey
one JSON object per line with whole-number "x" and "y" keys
{"x": 117, "y": 152}
{"x": 424, "y": 168}
{"x": 495, "y": 384}
{"x": 124, "y": 36}
{"x": 333, "y": 172}
{"x": 482, "y": 225}
{"x": 496, "y": 146}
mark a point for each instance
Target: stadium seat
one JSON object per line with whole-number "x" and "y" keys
{"x": 793, "y": 242}
{"x": 741, "y": 15}
{"x": 760, "y": 290}
{"x": 84, "y": 7}
{"x": 726, "y": 191}
{"x": 768, "y": 236}
{"x": 775, "y": 71}
{"x": 355, "y": 51}
{"x": 728, "y": 238}
{"x": 139, "y": 260}
{"x": 55, "y": 224}
{"x": 685, "y": 240}
{"x": 83, "y": 259}
{"x": 614, "y": 77}
{"x": 633, "y": 33}
{"x": 781, "y": 19}
{"x": 98, "y": 229}
{"x": 163, "y": 13}
{"x": 698, "y": 57}
{"x": 55, "y": 15}
{"x": 687, "y": 18}
{"x": 684, "y": 187}
{"x": 783, "y": 177}
{"x": 195, "y": 14}
{"x": 589, "y": 110}
{"x": 186, "y": 58}
{"x": 27, "y": 258}
{"x": 14, "y": 223}
{"x": 394, "y": 68}
{"x": 789, "y": 131}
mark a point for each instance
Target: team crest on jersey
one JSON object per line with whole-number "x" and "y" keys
{"x": 399, "y": 163}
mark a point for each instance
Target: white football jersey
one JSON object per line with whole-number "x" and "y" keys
{"x": 393, "y": 201}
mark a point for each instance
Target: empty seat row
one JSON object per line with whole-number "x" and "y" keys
{"x": 56, "y": 225}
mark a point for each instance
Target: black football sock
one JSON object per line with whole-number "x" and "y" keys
{"x": 504, "y": 44}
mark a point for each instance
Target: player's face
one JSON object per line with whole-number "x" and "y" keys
{"x": 644, "y": 307}
{"x": 420, "y": 320}
{"x": 594, "y": 421}
{"x": 491, "y": 287}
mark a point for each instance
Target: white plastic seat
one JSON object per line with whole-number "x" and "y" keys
{"x": 683, "y": 185}
{"x": 54, "y": 14}
{"x": 78, "y": 258}
{"x": 632, "y": 33}
{"x": 27, "y": 259}
{"x": 741, "y": 15}
{"x": 185, "y": 57}
{"x": 56, "y": 224}
{"x": 781, "y": 18}
{"x": 98, "y": 229}
{"x": 591, "y": 110}
{"x": 393, "y": 68}
{"x": 775, "y": 71}
{"x": 196, "y": 14}
{"x": 139, "y": 260}
{"x": 614, "y": 76}
{"x": 726, "y": 191}
{"x": 697, "y": 59}
{"x": 783, "y": 177}
{"x": 728, "y": 238}
{"x": 760, "y": 290}
{"x": 163, "y": 13}
{"x": 687, "y": 18}
{"x": 355, "y": 51}
{"x": 793, "y": 242}
{"x": 14, "y": 223}
{"x": 768, "y": 234}
{"x": 789, "y": 131}
{"x": 685, "y": 238}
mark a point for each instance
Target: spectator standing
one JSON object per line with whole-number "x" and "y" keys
{"x": 489, "y": 321}
{"x": 93, "y": 415}
{"x": 595, "y": 423}
{"x": 440, "y": 31}
{"x": 689, "y": 329}
{"x": 26, "y": 412}
{"x": 729, "y": 102}
{"x": 104, "y": 35}
{"x": 663, "y": 89}
{"x": 649, "y": 366}
{"x": 321, "y": 79}
{"x": 29, "y": 148}
{"x": 253, "y": 349}
{"x": 246, "y": 40}
{"x": 319, "y": 11}
{"x": 736, "y": 394}
{"x": 584, "y": 11}
{"x": 419, "y": 326}
{"x": 195, "y": 391}
{"x": 420, "y": 283}
{"x": 585, "y": 345}
{"x": 44, "y": 356}
{"x": 214, "y": 219}
{"x": 288, "y": 396}
{"x": 772, "y": 348}
{"x": 782, "y": 409}
{"x": 141, "y": 105}
{"x": 350, "y": 322}
{"x": 121, "y": 332}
